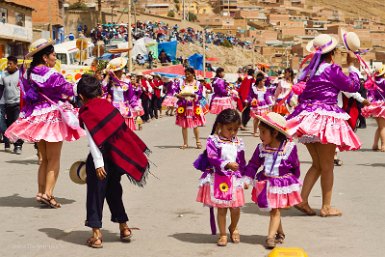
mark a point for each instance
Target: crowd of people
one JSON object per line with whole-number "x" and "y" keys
{"x": 312, "y": 106}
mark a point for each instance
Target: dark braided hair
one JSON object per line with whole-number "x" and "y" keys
{"x": 226, "y": 117}
{"x": 38, "y": 58}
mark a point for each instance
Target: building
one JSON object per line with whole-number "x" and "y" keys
{"x": 15, "y": 28}
{"x": 155, "y": 7}
{"x": 46, "y": 13}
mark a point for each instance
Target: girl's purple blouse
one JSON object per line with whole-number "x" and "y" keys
{"x": 268, "y": 99}
{"x": 214, "y": 154}
{"x": 220, "y": 87}
{"x": 171, "y": 88}
{"x": 287, "y": 161}
{"x": 129, "y": 96}
{"x": 47, "y": 81}
{"x": 375, "y": 95}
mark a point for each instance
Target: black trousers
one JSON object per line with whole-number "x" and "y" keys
{"x": 246, "y": 116}
{"x": 146, "y": 107}
{"x": 98, "y": 190}
{"x": 154, "y": 107}
{"x": 12, "y": 112}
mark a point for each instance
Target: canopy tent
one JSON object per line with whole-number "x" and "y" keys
{"x": 196, "y": 61}
{"x": 143, "y": 46}
{"x": 169, "y": 48}
{"x": 175, "y": 71}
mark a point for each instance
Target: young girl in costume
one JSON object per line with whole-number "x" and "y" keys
{"x": 189, "y": 112}
{"x": 221, "y": 98}
{"x": 283, "y": 93}
{"x": 277, "y": 185}
{"x": 172, "y": 88}
{"x": 221, "y": 184}
{"x": 120, "y": 91}
{"x": 115, "y": 150}
{"x": 260, "y": 101}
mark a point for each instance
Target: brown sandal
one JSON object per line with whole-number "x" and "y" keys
{"x": 270, "y": 243}
{"x": 92, "y": 242}
{"x": 125, "y": 234}
{"x": 280, "y": 238}
{"x": 330, "y": 212}
{"x": 199, "y": 145}
{"x": 222, "y": 241}
{"x": 307, "y": 210}
{"x": 235, "y": 237}
{"x": 183, "y": 147}
{"x": 50, "y": 201}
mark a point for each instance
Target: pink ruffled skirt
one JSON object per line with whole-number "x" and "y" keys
{"x": 276, "y": 192}
{"x": 130, "y": 122}
{"x": 219, "y": 104}
{"x": 189, "y": 119}
{"x": 259, "y": 111}
{"x": 205, "y": 196}
{"x": 375, "y": 110}
{"x": 45, "y": 124}
{"x": 326, "y": 127}
{"x": 169, "y": 101}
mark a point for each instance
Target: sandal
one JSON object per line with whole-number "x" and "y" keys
{"x": 279, "y": 238}
{"x": 125, "y": 234}
{"x": 38, "y": 198}
{"x": 305, "y": 208}
{"x": 270, "y": 243}
{"x": 50, "y": 201}
{"x": 330, "y": 212}
{"x": 338, "y": 162}
{"x": 93, "y": 242}
{"x": 235, "y": 236}
{"x": 183, "y": 147}
{"x": 222, "y": 241}
{"x": 199, "y": 145}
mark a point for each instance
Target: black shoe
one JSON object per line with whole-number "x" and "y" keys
{"x": 17, "y": 150}
{"x": 7, "y": 147}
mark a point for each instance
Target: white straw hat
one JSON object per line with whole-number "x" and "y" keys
{"x": 324, "y": 42}
{"x": 78, "y": 172}
{"x": 275, "y": 121}
{"x": 117, "y": 64}
{"x": 350, "y": 40}
{"x": 37, "y": 46}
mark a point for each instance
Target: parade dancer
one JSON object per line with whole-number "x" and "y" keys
{"x": 40, "y": 119}
{"x": 260, "y": 101}
{"x": 114, "y": 151}
{"x": 120, "y": 92}
{"x": 319, "y": 123}
{"x": 221, "y": 184}
{"x": 277, "y": 185}
{"x": 172, "y": 88}
{"x": 283, "y": 93}
{"x": 221, "y": 98}
{"x": 189, "y": 111}
{"x": 243, "y": 91}
{"x": 376, "y": 95}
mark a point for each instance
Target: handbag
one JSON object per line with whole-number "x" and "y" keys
{"x": 66, "y": 111}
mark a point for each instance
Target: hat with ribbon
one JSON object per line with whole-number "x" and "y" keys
{"x": 78, "y": 172}
{"x": 117, "y": 64}
{"x": 275, "y": 121}
{"x": 351, "y": 41}
{"x": 37, "y": 46}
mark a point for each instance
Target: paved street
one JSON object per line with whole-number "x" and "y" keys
{"x": 171, "y": 222}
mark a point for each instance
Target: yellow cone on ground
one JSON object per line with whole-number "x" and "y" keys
{"x": 287, "y": 252}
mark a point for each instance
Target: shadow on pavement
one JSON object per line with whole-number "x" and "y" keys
{"x": 252, "y": 208}
{"x": 25, "y": 162}
{"x": 167, "y": 146}
{"x": 16, "y": 200}
{"x": 197, "y": 238}
{"x": 372, "y": 164}
{"x": 366, "y": 150}
{"x": 77, "y": 236}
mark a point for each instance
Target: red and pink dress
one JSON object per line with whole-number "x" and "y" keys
{"x": 39, "y": 118}
{"x": 172, "y": 88}
{"x": 277, "y": 185}
{"x": 221, "y": 98}
{"x": 260, "y": 101}
{"x": 376, "y": 97}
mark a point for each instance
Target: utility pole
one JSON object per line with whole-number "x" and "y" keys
{"x": 50, "y": 19}
{"x": 204, "y": 53}
{"x": 183, "y": 11}
{"x": 129, "y": 63}
{"x": 100, "y": 11}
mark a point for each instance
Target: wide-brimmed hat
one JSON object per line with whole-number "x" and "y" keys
{"x": 275, "y": 121}
{"x": 78, "y": 173}
{"x": 350, "y": 40}
{"x": 117, "y": 64}
{"x": 381, "y": 71}
{"x": 323, "y": 42}
{"x": 37, "y": 46}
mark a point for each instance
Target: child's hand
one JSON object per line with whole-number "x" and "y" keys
{"x": 246, "y": 186}
{"x": 101, "y": 173}
{"x": 232, "y": 166}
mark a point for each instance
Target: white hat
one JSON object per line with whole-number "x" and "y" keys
{"x": 351, "y": 40}
{"x": 117, "y": 64}
{"x": 324, "y": 42}
{"x": 380, "y": 71}
{"x": 275, "y": 121}
{"x": 37, "y": 46}
{"x": 78, "y": 172}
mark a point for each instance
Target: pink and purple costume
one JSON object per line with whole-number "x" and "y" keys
{"x": 189, "y": 112}
{"x": 219, "y": 187}
{"x": 172, "y": 88}
{"x": 221, "y": 99}
{"x": 277, "y": 186}
{"x": 260, "y": 100}
{"x": 317, "y": 118}
{"x": 376, "y": 98}
{"x": 39, "y": 119}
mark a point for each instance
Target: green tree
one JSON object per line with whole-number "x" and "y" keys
{"x": 171, "y": 14}
{"x": 192, "y": 17}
